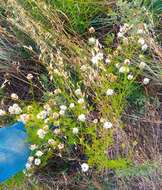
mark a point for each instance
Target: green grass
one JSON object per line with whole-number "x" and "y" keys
{"x": 79, "y": 13}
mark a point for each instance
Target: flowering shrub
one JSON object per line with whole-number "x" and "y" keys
{"x": 87, "y": 93}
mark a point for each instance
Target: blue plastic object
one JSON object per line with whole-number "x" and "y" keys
{"x": 14, "y": 150}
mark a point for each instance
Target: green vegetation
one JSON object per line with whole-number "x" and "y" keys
{"x": 90, "y": 64}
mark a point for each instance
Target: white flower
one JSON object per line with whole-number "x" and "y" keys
{"x": 120, "y": 35}
{"x": 46, "y": 128}
{"x": 130, "y": 77}
{"x": 75, "y": 130}
{"x": 57, "y": 131}
{"x": 39, "y": 153}
{"x": 110, "y": 92}
{"x": 47, "y": 108}
{"x": 51, "y": 142}
{"x": 24, "y": 118}
{"x": 84, "y": 167}
{"x": 81, "y": 101}
{"x": 63, "y": 107}
{"x": 42, "y": 115}
{"x": 83, "y": 68}
{"x": 142, "y": 65}
{"x": 82, "y": 117}
{"x": 27, "y": 166}
{"x": 107, "y": 125}
{"x": 91, "y": 41}
{"x": 91, "y": 30}
{"x": 72, "y": 105}
{"x": 96, "y": 58}
{"x": 30, "y": 159}
{"x": 2, "y": 112}
{"x": 37, "y": 161}
{"x": 144, "y": 47}
{"x": 33, "y": 147}
{"x": 124, "y": 69}
{"x": 107, "y": 60}
{"x": 14, "y": 109}
{"x": 127, "y": 61}
{"x": 117, "y": 65}
{"x": 99, "y": 55}
{"x": 140, "y": 31}
{"x": 61, "y": 146}
{"x": 146, "y": 81}
{"x": 14, "y": 96}
{"x": 57, "y": 91}
{"x": 141, "y": 41}
{"x": 78, "y": 92}
{"x": 29, "y": 76}
{"x": 95, "y": 121}
{"x": 61, "y": 112}
{"x": 41, "y": 133}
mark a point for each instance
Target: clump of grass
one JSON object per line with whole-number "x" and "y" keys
{"x": 79, "y": 13}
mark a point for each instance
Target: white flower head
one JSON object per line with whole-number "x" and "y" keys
{"x": 84, "y": 167}
{"x": 61, "y": 146}
{"x": 78, "y": 92}
{"x": 146, "y": 81}
{"x": 2, "y": 112}
{"x": 117, "y": 65}
{"x": 61, "y": 112}
{"x": 92, "y": 41}
{"x": 63, "y": 107}
{"x": 28, "y": 166}
{"x": 29, "y": 76}
{"x": 120, "y": 34}
{"x": 57, "y": 131}
{"x": 42, "y": 115}
{"x": 96, "y": 58}
{"x": 41, "y": 133}
{"x": 14, "y": 96}
{"x": 142, "y": 65}
{"x": 81, "y": 101}
{"x": 37, "y": 161}
{"x": 55, "y": 115}
{"x": 82, "y": 117}
{"x": 107, "y": 125}
{"x": 75, "y": 130}
{"x": 39, "y": 153}
{"x": 46, "y": 127}
{"x": 130, "y": 77}
{"x": 14, "y": 109}
{"x": 109, "y": 92}
{"x": 91, "y": 29}
{"x": 47, "y": 108}
{"x": 51, "y": 142}
{"x": 144, "y": 47}
{"x": 141, "y": 41}
{"x": 57, "y": 91}
{"x": 24, "y": 118}
{"x": 30, "y": 159}
{"x": 33, "y": 147}
{"x": 72, "y": 105}
{"x": 95, "y": 121}
{"x": 127, "y": 62}
{"x": 140, "y": 31}
{"x": 107, "y": 60}
{"x": 124, "y": 69}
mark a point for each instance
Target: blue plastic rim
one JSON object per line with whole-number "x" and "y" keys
{"x": 14, "y": 150}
